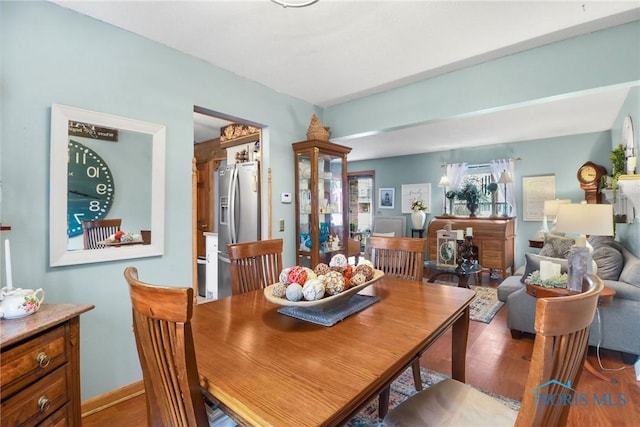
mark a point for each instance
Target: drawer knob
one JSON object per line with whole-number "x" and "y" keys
{"x": 44, "y": 404}
{"x": 43, "y": 359}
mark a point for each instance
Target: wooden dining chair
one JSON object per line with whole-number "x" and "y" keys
{"x": 162, "y": 327}
{"x": 559, "y": 351}
{"x": 254, "y": 265}
{"x": 98, "y": 230}
{"x": 400, "y": 257}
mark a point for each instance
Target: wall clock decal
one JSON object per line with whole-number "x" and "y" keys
{"x": 90, "y": 187}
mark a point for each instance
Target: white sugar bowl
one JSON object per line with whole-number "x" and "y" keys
{"x": 17, "y": 303}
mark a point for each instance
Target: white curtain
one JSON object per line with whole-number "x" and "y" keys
{"x": 455, "y": 175}
{"x": 497, "y": 167}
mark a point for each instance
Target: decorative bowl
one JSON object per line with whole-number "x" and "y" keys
{"x": 323, "y": 303}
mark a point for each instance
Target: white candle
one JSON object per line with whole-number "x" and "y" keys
{"x": 556, "y": 268}
{"x": 546, "y": 269}
{"x": 469, "y": 231}
{"x": 7, "y": 264}
{"x": 459, "y": 235}
{"x": 632, "y": 162}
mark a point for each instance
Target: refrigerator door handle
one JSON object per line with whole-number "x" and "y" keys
{"x": 233, "y": 189}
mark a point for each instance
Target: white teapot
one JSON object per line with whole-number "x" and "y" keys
{"x": 16, "y": 303}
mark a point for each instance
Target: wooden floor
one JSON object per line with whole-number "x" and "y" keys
{"x": 495, "y": 363}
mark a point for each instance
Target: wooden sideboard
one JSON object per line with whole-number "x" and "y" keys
{"x": 40, "y": 367}
{"x": 494, "y": 238}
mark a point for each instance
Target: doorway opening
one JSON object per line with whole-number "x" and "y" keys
{"x": 217, "y": 142}
{"x": 361, "y": 204}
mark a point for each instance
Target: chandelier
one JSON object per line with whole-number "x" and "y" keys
{"x": 294, "y": 3}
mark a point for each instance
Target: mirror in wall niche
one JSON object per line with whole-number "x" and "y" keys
{"x": 106, "y": 189}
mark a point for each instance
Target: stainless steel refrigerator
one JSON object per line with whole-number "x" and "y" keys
{"x": 238, "y": 214}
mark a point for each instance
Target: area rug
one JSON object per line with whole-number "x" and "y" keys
{"x": 484, "y": 306}
{"x": 402, "y": 388}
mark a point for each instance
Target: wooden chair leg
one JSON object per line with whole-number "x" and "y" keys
{"x": 383, "y": 402}
{"x": 417, "y": 378}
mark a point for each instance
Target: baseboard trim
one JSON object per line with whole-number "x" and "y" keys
{"x": 111, "y": 398}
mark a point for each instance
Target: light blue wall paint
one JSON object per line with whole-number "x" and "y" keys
{"x": 53, "y": 55}
{"x": 603, "y": 58}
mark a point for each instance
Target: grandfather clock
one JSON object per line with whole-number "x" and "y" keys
{"x": 589, "y": 177}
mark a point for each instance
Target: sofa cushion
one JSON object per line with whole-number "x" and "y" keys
{"x": 631, "y": 270}
{"x": 556, "y": 246}
{"x": 609, "y": 261}
{"x": 532, "y": 263}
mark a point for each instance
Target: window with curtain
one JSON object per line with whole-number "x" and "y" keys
{"x": 482, "y": 176}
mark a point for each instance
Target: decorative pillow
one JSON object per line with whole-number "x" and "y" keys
{"x": 609, "y": 261}
{"x": 389, "y": 234}
{"x": 532, "y": 263}
{"x": 631, "y": 273}
{"x": 556, "y": 246}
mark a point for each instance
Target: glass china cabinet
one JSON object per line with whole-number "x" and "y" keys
{"x": 321, "y": 201}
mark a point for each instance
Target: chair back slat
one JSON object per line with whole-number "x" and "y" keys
{"x": 398, "y": 256}
{"x": 98, "y": 230}
{"x": 559, "y": 351}
{"x": 162, "y": 327}
{"x": 254, "y": 265}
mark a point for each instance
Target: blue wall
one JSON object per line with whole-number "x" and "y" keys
{"x": 53, "y": 55}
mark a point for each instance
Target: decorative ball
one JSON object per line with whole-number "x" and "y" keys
{"x": 297, "y": 275}
{"x": 321, "y": 269}
{"x": 364, "y": 261}
{"x": 348, "y": 272}
{"x": 339, "y": 261}
{"x": 294, "y": 292}
{"x": 358, "y": 279}
{"x": 365, "y": 270}
{"x": 279, "y": 290}
{"x": 283, "y": 275}
{"x": 334, "y": 283}
{"x": 310, "y": 273}
{"x": 313, "y": 290}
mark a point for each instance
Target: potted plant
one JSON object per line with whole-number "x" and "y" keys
{"x": 470, "y": 194}
{"x": 617, "y": 157}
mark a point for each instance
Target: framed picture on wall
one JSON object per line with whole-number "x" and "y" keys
{"x": 535, "y": 190}
{"x": 386, "y": 198}
{"x": 411, "y": 192}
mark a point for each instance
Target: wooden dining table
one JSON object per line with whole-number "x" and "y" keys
{"x": 269, "y": 369}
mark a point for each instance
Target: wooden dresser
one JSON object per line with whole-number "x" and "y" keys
{"x": 494, "y": 238}
{"x": 40, "y": 367}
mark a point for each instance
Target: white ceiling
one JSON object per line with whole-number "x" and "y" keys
{"x": 335, "y": 51}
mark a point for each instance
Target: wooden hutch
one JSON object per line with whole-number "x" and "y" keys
{"x": 494, "y": 237}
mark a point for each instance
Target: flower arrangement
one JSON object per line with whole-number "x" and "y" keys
{"x": 418, "y": 205}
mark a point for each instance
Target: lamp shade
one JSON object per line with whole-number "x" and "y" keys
{"x": 505, "y": 178}
{"x": 551, "y": 206}
{"x": 444, "y": 181}
{"x": 585, "y": 219}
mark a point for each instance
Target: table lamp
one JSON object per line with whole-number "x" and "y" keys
{"x": 584, "y": 220}
{"x": 444, "y": 183}
{"x": 505, "y": 179}
{"x": 550, "y": 210}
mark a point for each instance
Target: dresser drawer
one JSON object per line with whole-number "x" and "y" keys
{"x": 36, "y": 402}
{"x": 27, "y": 362}
{"x": 60, "y": 418}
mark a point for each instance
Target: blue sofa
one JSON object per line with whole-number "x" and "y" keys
{"x": 616, "y": 326}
